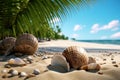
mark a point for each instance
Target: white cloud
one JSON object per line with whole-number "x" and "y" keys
{"x": 95, "y": 28}
{"x": 113, "y": 26}
{"x": 116, "y": 35}
{"x": 77, "y": 27}
{"x": 103, "y": 37}
{"x": 55, "y": 20}
{"x": 75, "y": 35}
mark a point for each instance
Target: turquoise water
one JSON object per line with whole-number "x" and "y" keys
{"x": 116, "y": 42}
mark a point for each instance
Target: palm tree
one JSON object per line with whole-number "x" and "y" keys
{"x": 32, "y": 16}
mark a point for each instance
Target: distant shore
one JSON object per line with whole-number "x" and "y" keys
{"x": 60, "y": 45}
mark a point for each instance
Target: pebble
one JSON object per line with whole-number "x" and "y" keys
{"x": 23, "y": 74}
{"x": 44, "y": 57}
{"x": 4, "y": 71}
{"x": 104, "y": 59}
{"x": 113, "y": 62}
{"x": 4, "y": 76}
{"x": 115, "y": 65}
{"x": 36, "y": 71}
{"x": 14, "y": 73}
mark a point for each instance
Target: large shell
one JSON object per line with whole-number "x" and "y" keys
{"x": 6, "y": 45}
{"x": 76, "y": 56}
{"x": 26, "y": 43}
{"x": 59, "y": 60}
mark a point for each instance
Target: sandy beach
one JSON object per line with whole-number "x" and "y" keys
{"x": 106, "y": 55}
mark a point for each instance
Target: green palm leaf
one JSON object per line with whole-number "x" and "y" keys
{"x": 33, "y": 16}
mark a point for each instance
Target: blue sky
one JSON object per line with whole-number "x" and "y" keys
{"x": 99, "y": 20}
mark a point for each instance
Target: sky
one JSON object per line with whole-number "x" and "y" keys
{"x": 96, "y": 21}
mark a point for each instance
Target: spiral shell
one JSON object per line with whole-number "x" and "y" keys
{"x": 60, "y": 60}
{"x": 91, "y": 66}
{"x": 76, "y": 56}
{"x": 91, "y": 60}
{"x": 26, "y": 43}
{"x": 6, "y": 45}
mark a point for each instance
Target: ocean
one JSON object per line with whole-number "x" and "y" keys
{"x": 116, "y": 42}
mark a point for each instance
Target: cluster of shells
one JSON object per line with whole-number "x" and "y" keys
{"x": 24, "y": 44}
{"x": 13, "y": 72}
{"x": 76, "y": 58}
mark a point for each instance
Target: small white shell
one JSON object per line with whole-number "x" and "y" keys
{"x": 36, "y": 71}
{"x": 23, "y": 74}
{"x": 29, "y": 58}
{"x": 44, "y": 57}
{"x": 4, "y": 71}
{"x": 16, "y": 61}
{"x": 14, "y": 73}
{"x": 60, "y": 60}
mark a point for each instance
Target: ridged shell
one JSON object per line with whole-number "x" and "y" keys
{"x": 16, "y": 61}
{"x": 91, "y": 60}
{"x": 60, "y": 60}
{"x": 76, "y": 56}
{"x": 7, "y": 44}
{"x": 26, "y": 43}
{"x": 91, "y": 66}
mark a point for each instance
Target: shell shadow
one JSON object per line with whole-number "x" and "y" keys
{"x": 57, "y": 68}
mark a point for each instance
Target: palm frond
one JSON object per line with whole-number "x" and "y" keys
{"x": 32, "y": 16}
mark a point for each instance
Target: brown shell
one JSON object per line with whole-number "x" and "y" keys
{"x": 26, "y": 43}
{"x": 75, "y": 56}
{"x": 7, "y": 45}
{"x": 91, "y": 60}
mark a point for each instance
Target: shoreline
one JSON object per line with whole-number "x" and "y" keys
{"x": 60, "y": 45}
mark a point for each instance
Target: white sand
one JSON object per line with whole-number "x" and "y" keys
{"x": 108, "y": 70}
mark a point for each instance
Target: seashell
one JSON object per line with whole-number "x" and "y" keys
{"x": 14, "y": 73}
{"x": 26, "y": 44}
{"x": 60, "y": 60}
{"x": 29, "y": 58}
{"x": 91, "y": 66}
{"x": 23, "y": 74}
{"x": 44, "y": 57}
{"x": 6, "y": 45}
{"x": 91, "y": 60}
{"x": 76, "y": 56}
{"x": 36, "y": 71}
{"x": 4, "y": 71}
{"x": 16, "y": 61}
